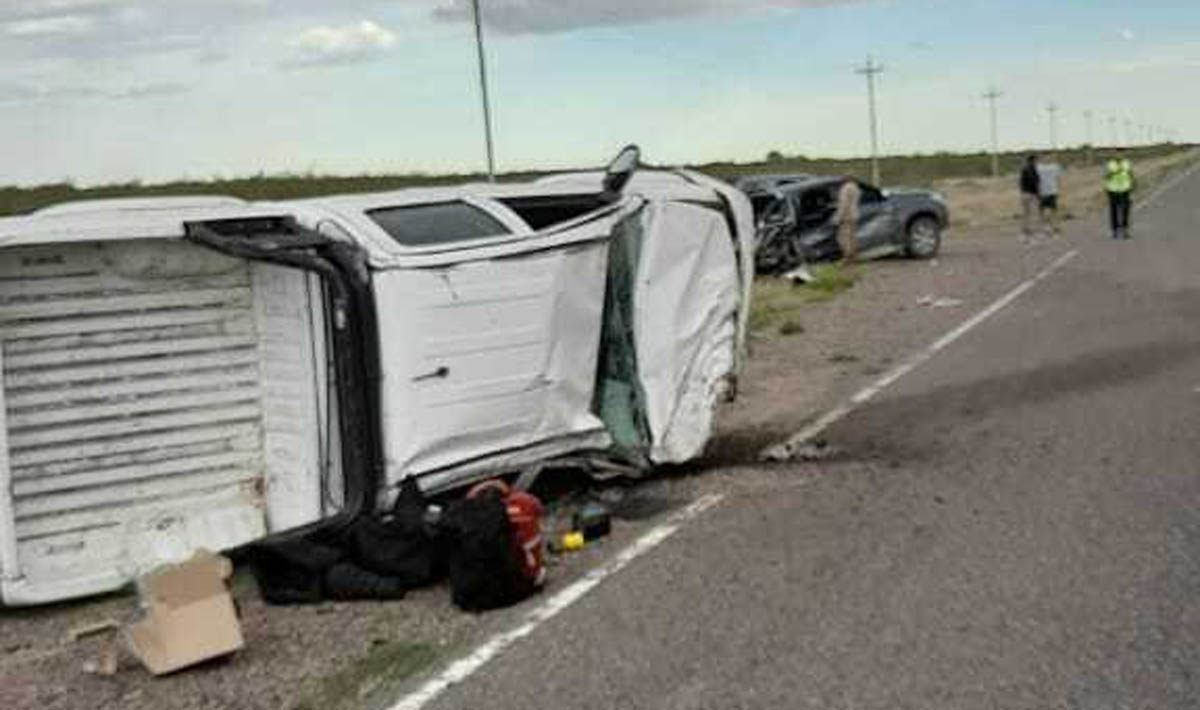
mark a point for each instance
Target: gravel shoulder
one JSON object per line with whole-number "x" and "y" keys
{"x": 357, "y": 654}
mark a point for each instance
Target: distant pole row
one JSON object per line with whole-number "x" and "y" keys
{"x": 1142, "y": 133}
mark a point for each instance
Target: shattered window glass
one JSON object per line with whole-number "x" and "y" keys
{"x": 440, "y": 223}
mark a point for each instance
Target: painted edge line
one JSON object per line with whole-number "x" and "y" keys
{"x": 783, "y": 450}
{"x": 464, "y": 667}
{"x": 1168, "y": 185}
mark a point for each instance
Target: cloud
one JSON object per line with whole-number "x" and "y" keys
{"x": 24, "y": 94}
{"x": 152, "y": 90}
{"x": 544, "y": 16}
{"x": 50, "y": 26}
{"x": 211, "y": 56}
{"x": 350, "y": 44}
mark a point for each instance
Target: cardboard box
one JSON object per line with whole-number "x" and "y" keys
{"x": 189, "y": 615}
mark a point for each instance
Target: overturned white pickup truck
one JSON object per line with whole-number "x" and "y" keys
{"x": 201, "y": 372}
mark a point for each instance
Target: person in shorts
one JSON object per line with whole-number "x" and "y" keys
{"x": 1049, "y": 174}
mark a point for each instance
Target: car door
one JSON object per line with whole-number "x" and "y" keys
{"x": 878, "y": 223}
{"x": 815, "y": 207}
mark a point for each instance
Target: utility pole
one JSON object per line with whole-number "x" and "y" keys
{"x": 483, "y": 93}
{"x": 1087, "y": 118}
{"x": 992, "y": 94}
{"x": 1052, "y": 109}
{"x": 871, "y": 70}
{"x": 1112, "y": 129}
{"x": 1128, "y": 132}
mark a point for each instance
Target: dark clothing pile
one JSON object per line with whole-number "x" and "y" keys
{"x": 372, "y": 558}
{"x": 384, "y": 557}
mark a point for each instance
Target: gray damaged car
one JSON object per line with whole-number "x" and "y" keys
{"x": 795, "y": 221}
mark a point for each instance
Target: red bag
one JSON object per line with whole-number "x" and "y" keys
{"x": 525, "y": 515}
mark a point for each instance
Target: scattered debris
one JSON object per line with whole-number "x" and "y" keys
{"x": 570, "y": 542}
{"x": 105, "y": 663}
{"x": 96, "y": 627}
{"x": 632, "y": 506}
{"x": 935, "y": 302}
{"x": 800, "y": 275}
{"x": 189, "y": 615}
{"x": 593, "y": 521}
{"x": 807, "y": 451}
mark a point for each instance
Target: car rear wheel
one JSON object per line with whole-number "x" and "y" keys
{"x": 923, "y": 237}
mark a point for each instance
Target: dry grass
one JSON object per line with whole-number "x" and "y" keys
{"x": 778, "y": 304}
{"x": 983, "y": 201}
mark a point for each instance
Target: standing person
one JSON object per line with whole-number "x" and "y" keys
{"x": 846, "y": 219}
{"x": 1049, "y": 173}
{"x": 1030, "y": 198}
{"x": 1119, "y": 184}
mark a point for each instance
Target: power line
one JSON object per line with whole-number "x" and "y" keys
{"x": 483, "y": 94}
{"x": 992, "y": 94}
{"x": 871, "y": 70}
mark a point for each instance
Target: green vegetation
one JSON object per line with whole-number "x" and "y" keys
{"x": 777, "y": 304}
{"x": 372, "y": 677}
{"x": 911, "y": 170}
{"x": 920, "y": 170}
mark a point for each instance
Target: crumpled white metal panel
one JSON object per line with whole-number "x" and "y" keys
{"x": 132, "y": 411}
{"x": 686, "y": 309}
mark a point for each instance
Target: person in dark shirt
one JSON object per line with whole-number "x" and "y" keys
{"x": 1030, "y": 199}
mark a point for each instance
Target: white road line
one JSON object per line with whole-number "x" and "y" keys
{"x": 784, "y": 450}
{"x": 1163, "y": 188}
{"x": 461, "y": 669}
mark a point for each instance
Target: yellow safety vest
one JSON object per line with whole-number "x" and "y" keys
{"x": 1119, "y": 177}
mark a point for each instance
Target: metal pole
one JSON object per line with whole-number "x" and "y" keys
{"x": 483, "y": 94}
{"x": 992, "y": 94}
{"x": 1087, "y": 117}
{"x": 1052, "y": 109}
{"x": 870, "y": 71}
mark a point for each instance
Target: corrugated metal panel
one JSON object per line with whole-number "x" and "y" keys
{"x": 132, "y": 402}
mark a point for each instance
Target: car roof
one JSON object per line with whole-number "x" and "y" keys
{"x": 130, "y": 204}
{"x": 807, "y": 183}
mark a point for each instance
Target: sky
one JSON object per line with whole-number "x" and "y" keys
{"x": 99, "y": 91}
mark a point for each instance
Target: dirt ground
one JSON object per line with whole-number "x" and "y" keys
{"x": 356, "y": 654}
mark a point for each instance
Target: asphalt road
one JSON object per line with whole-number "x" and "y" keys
{"x": 1016, "y": 524}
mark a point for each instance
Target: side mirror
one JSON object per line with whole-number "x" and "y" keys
{"x": 620, "y": 170}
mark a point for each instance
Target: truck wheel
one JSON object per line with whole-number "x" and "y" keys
{"x": 923, "y": 237}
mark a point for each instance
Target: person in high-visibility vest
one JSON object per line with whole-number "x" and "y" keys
{"x": 1119, "y": 183}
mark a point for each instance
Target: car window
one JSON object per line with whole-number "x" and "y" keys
{"x": 815, "y": 201}
{"x": 439, "y": 223}
{"x": 869, "y": 194}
